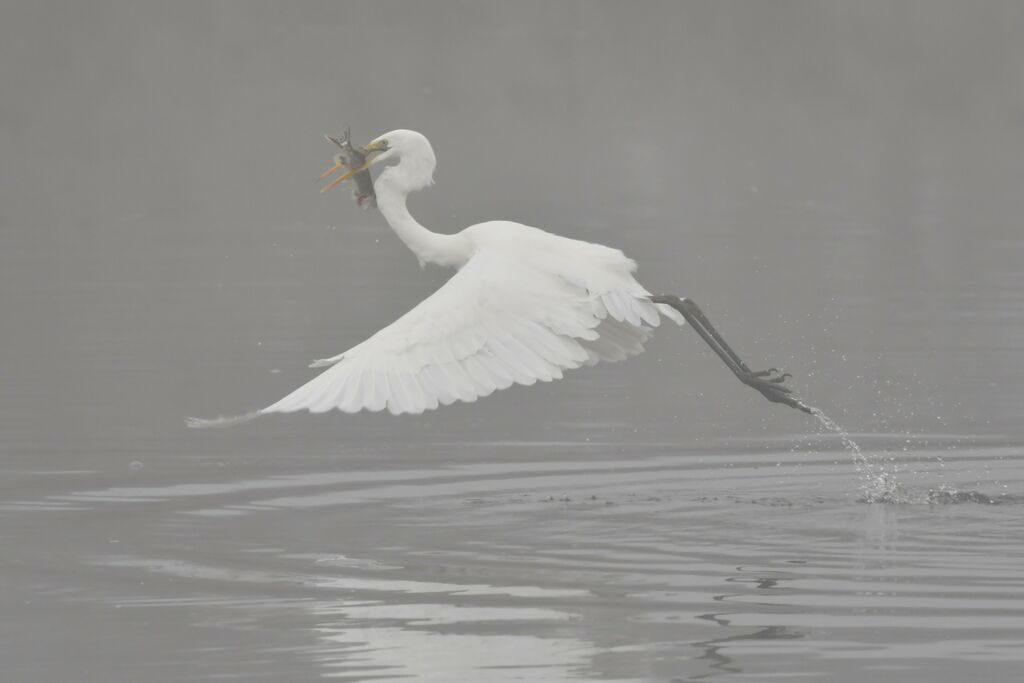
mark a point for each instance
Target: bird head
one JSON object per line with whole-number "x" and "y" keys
{"x": 413, "y": 151}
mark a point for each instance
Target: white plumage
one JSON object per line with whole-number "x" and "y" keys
{"x": 495, "y": 323}
{"x": 525, "y": 305}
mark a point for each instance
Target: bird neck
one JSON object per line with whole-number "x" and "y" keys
{"x": 429, "y": 247}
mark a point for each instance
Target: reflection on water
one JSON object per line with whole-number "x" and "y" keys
{"x": 446, "y": 640}
{"x": 647, "y": 568}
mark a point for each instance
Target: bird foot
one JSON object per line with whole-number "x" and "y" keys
{"x": 772, "y": 375}
{"x": 771, "y": 384}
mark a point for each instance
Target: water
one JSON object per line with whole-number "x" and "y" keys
{"x": 879, "y": 478}
{"x": 836, "y": 185}
{"x": 877, "y": 482}
{"x": 545, "y": 561}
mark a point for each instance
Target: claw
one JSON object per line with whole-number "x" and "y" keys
{"x": 773, "y": 375}
{"x": 773, "y": 389}
{"x": 765, "y": 385}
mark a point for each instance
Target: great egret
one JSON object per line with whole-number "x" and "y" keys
{"x": 525, "y": 305}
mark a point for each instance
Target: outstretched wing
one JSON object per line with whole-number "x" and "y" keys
{"x": 495, "y": 323}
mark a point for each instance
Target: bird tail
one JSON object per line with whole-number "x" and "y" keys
{"x": 222, "y": 421}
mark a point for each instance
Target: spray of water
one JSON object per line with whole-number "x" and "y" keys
{"x": 877, "y": 481}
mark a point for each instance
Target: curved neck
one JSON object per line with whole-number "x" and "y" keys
{"x": 429, "y": 247}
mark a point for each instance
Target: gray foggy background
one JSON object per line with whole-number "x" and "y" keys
{"x": 839, "y": 184}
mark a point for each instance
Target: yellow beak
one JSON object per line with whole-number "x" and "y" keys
{"x": 339, "y": 163}
{"x": 340, "y": 180}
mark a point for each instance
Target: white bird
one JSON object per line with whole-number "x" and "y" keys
{"x": 524, "y": 305}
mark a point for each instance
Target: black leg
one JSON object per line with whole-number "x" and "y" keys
{"x": 768, "y": 382}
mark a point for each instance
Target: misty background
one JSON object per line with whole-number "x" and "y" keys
{"x": 838, "y": 185}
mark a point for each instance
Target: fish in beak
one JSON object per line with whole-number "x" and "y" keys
{"x": 358, "y": 161}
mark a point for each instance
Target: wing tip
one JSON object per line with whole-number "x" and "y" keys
{"x": 333, "y": 360}
{"x": 221, "y": 421}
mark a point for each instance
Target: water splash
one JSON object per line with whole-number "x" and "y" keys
{"x": 878, "y": 483}
{"x": 945, "y": 494}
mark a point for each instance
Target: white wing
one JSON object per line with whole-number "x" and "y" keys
{"x": 495, "y": 323}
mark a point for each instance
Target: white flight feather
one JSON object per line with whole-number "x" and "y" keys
{"x": 495, "y": 323}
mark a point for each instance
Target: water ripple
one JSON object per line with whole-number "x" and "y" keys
{"x": 642, "y": 568}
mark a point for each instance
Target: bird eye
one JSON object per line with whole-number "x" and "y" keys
{"x": 383, "y": 144}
